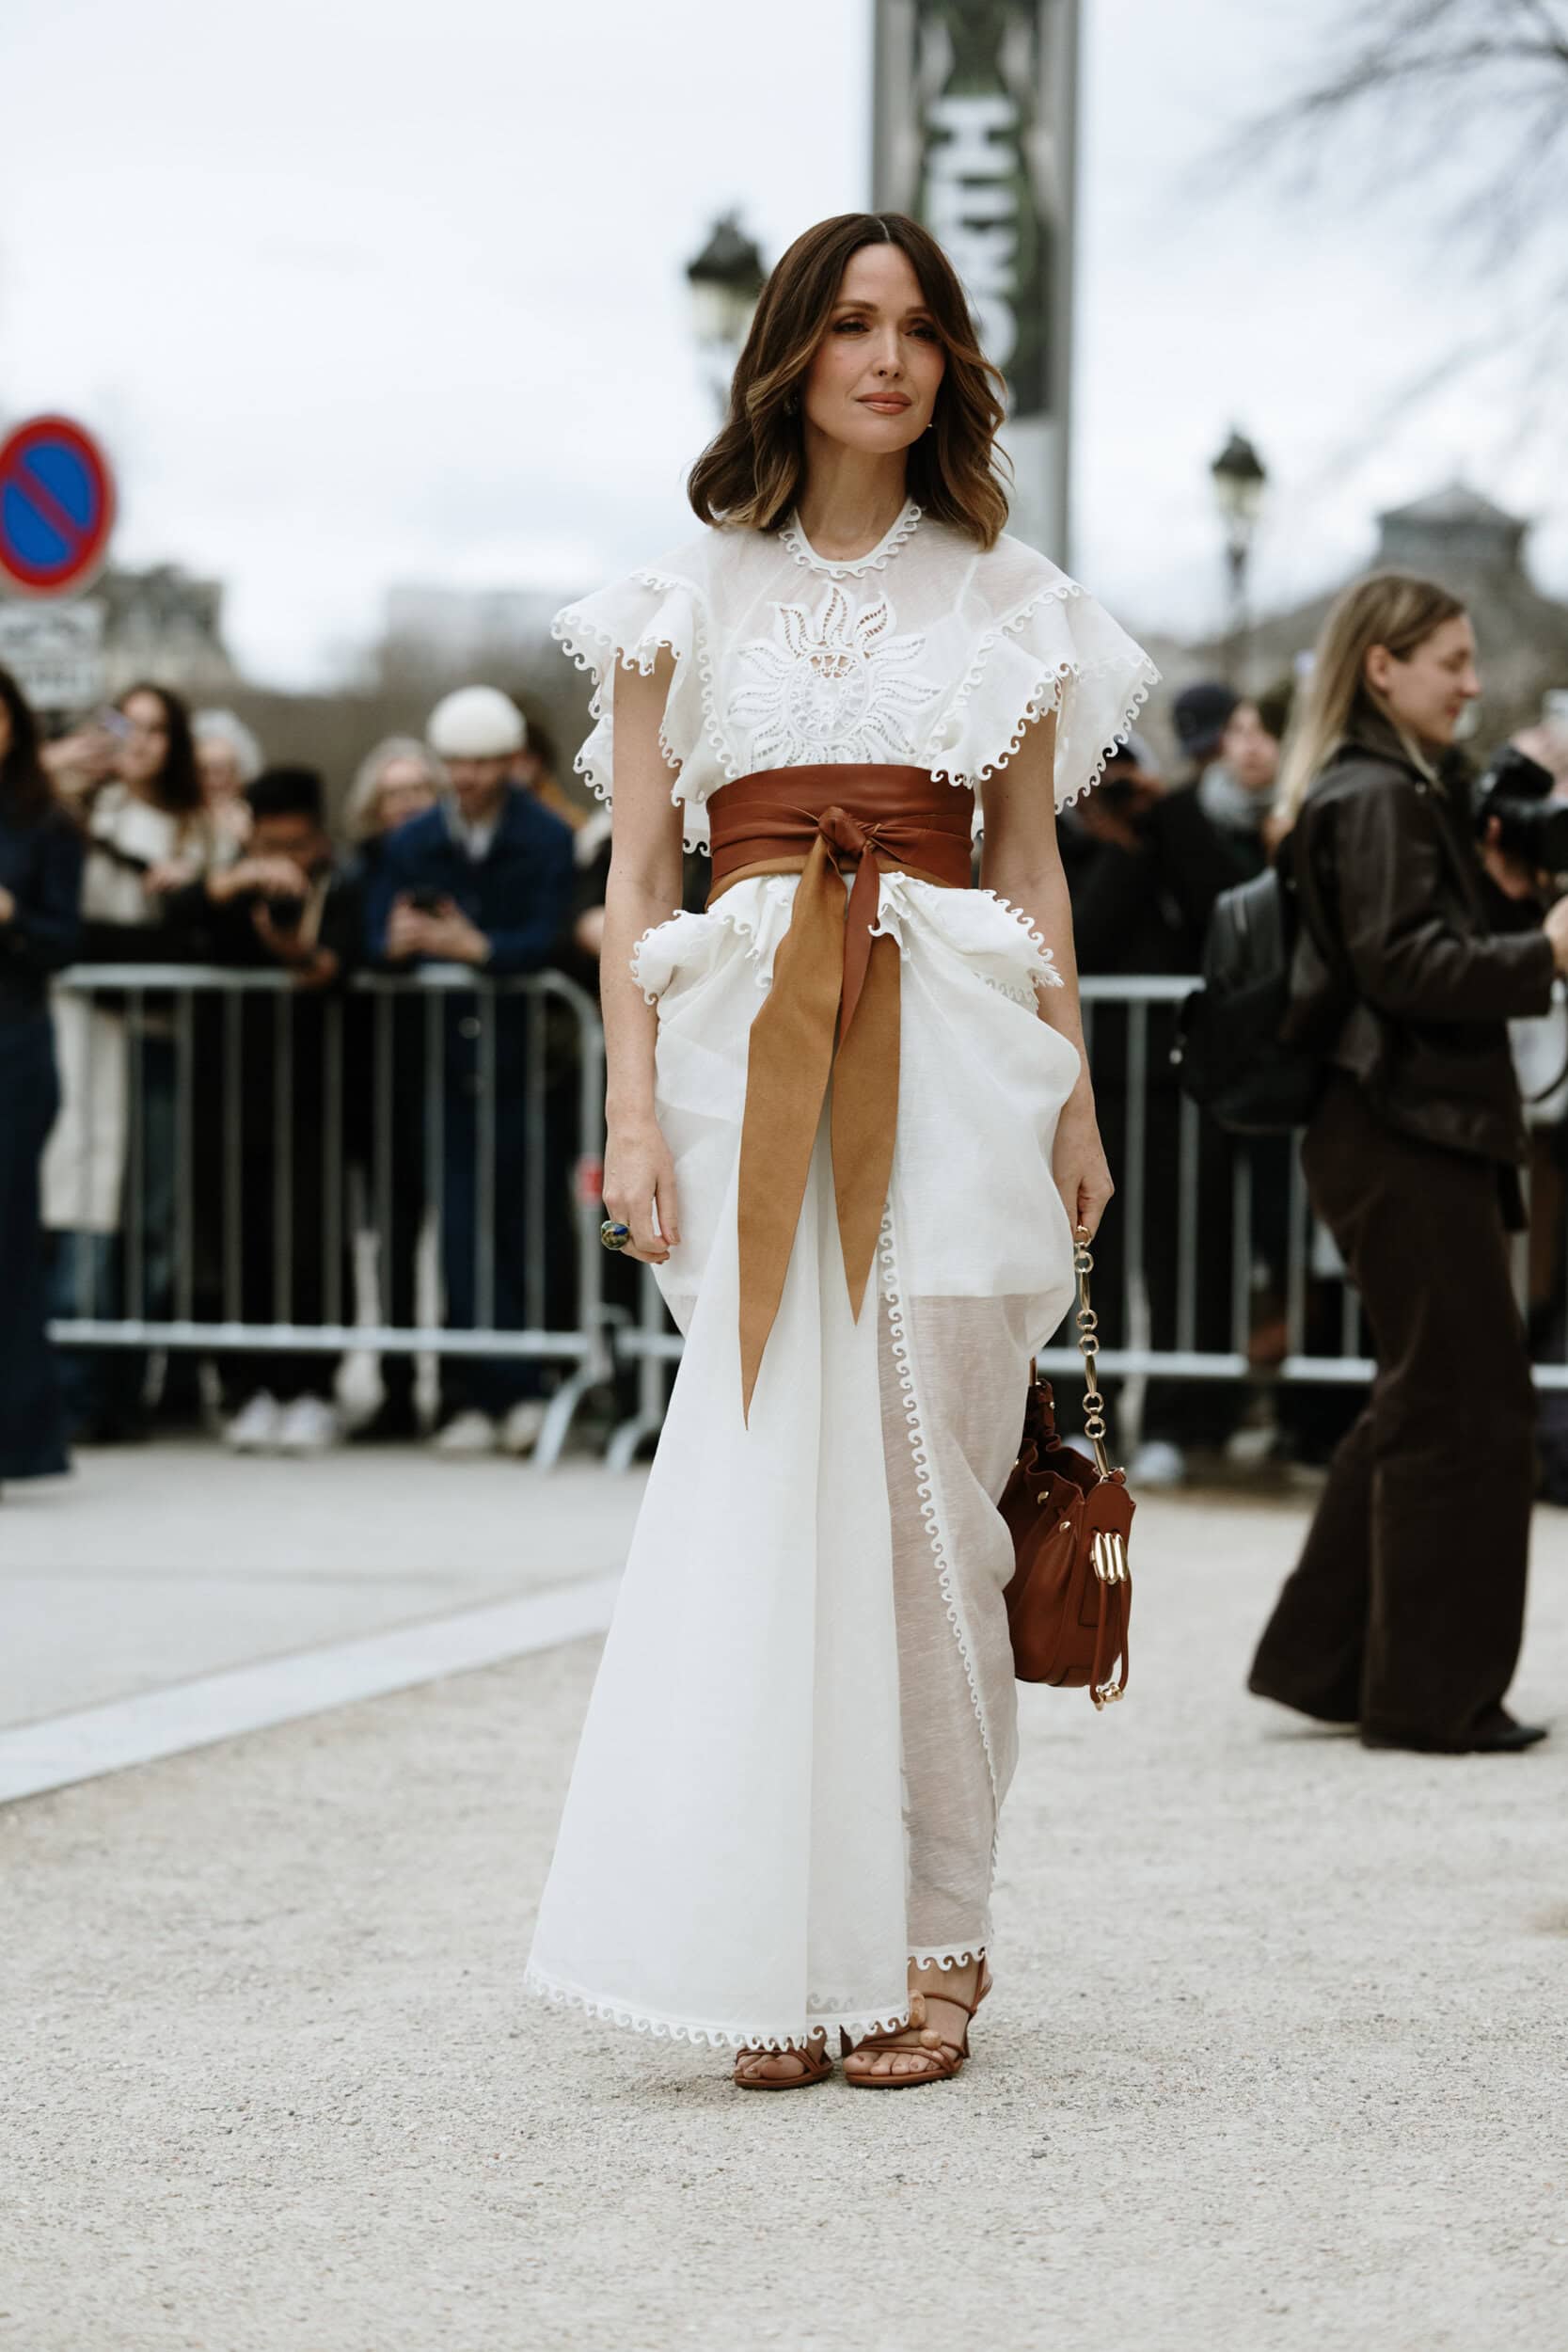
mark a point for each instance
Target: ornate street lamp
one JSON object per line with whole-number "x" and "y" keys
{"x": 725, "y": 279}
{"x": 1240, "y": 478}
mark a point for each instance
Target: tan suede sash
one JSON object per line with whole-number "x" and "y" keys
{"x": 833, "y": 1008}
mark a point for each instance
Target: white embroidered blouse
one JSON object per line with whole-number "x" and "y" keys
{"x": 925, "y": 653}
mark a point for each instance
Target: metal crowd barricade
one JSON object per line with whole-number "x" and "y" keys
{"x": 175, "y": 1046}
{"x": 1229, "y": 1263}
{"x": 1207, "y": 1240}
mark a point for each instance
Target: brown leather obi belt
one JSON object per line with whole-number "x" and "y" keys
{"x": 833, "y": 1010}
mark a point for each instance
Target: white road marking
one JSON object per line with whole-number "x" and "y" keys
{"x": 62, "y": 1749}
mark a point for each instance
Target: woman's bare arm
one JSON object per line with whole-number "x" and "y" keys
{"x": 644, "y": 888}
{"x": 1022, "y": 862}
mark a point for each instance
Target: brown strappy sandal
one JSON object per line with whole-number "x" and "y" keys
{"x": 809, "y": 2060}
{"x": 939, "y": 2060}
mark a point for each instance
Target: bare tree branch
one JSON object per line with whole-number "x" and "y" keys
{"x": 1457, "y": 111}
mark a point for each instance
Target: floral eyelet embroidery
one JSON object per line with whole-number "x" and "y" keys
{"x": 841, "y": 685}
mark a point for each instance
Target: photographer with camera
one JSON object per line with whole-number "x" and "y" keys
{"x": 286, "y": 903}
{"x": 1418, "y": 944}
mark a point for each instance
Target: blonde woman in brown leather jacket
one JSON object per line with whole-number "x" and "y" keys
{"x": 1405, "y": 1612}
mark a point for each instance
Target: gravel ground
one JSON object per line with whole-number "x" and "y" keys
{"x": 1275, "y": 2056}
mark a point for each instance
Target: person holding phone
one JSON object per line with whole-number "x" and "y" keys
{"x": 114, "y": 1222}
{"x": 484, "y": 880}
{"x": 286, "y": 902}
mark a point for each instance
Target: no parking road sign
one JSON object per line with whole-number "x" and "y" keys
{"x": 56, "y": 507}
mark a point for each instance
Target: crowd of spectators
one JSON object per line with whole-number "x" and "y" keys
{"x": 154, "y": 837}
{"x": 295, "y": 1118}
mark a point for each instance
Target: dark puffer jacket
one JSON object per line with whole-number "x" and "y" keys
{"x": 1412, "y": 986}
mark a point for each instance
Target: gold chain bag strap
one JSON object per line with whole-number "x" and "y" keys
{"x": 1070, "y": 1596}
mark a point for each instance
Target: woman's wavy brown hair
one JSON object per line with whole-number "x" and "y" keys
{"x": 754, "y": 473}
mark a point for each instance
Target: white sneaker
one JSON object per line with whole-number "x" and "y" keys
{"x": 465, "y": 1436}
{"x": 254, "y": 1428}
{"x": 521, "y": 1429}
{"x": 308, "y": 1426}
{"x": 1157, "y": 1463}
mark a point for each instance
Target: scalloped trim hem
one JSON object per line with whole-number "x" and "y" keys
{"x": 794, "y": 540}
{"x": 727, "y": 909}
{"x": 922, "y": 1467}
{"x": 946, "y": 1955}
{"x": 1047, "y": 975}
{"x": 661, "y": 2027}
{"x": 1040, "y": 701}
{"x": 595, "y": 651}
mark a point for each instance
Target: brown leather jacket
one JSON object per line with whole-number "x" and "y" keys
{"x": 1398, "y": 975}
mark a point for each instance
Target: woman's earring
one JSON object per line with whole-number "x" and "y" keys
{"x": 792, "y": 403}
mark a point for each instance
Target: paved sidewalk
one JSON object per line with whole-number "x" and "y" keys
{"x": 156, "y": 1563}
{"x": 1275, "y": 2057}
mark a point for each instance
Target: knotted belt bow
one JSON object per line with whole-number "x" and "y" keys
{"x": 833, "y": 1008}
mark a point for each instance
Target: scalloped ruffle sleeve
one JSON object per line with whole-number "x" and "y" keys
{"x": 1060, "y": 649}
{"x": 627, "y": 626}
{"x": 927, "y": 651}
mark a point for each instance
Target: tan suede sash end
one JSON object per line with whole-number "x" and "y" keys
{"x": 833, "y": 1008}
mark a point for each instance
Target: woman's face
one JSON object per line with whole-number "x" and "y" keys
{"x": 403, "y": 791}
{"x": 1249, "y": 751}
{"x": 219, "y": 768}
{"x": 144, "y": 746}
{"x": 873, "y": 380}
{"x": 1427, "y": 692}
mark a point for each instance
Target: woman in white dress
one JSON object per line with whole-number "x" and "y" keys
{"x": 782, "y": 1815}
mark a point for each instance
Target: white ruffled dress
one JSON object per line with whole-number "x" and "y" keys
{"x": 803, "y": 1724}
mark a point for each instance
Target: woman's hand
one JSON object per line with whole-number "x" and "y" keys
{"x": 170, "y": 874}
{"x": 270, "y": 876}
{"x": 638, "y": 1181}
{"x": 1513, "y": 878}
{"x": 8, "y": 904}
{"x": 1079, "y": 1164}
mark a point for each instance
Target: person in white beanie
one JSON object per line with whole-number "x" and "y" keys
{"x": 485, "y": 878}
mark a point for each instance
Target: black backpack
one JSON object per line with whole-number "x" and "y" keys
{"x": 1229, "y": 1055}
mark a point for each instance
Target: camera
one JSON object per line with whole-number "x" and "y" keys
{"x": 1532, "y": 823}
{"x": 284, "y": 915}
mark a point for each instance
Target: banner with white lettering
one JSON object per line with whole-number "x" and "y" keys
{"x": 974, "y": 136}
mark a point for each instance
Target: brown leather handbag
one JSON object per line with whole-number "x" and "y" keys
{"x": 1070, "y": 1596}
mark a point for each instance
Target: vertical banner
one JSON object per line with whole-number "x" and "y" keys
{"x": 974, "y": 134}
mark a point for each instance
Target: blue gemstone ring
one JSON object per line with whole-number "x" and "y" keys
{"x": 614, "y": 1236}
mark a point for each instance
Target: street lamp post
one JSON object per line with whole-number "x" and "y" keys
{"x": 725, "y": 281}
{"x": 1239, "y": 477}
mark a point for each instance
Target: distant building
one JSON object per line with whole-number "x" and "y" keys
{"x": 162, "y": 624}
{"x": 1468, "y": 544}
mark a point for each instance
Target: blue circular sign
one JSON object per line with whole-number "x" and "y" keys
{"x": 56, "y": 507}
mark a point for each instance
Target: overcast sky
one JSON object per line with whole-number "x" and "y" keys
{"x": 361, "y": 292}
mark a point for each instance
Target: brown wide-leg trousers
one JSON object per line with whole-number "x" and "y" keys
{"x": 1406, "y": 1610}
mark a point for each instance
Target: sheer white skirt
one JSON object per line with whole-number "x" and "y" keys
{"x": 803, "y": 1723}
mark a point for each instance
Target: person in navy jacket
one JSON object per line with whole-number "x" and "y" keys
{"x": 40, "y": 888}
{"x": 486, "y": 878}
